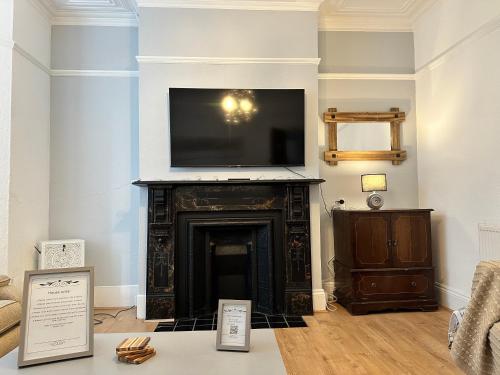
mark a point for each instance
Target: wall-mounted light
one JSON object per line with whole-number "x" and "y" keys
{"x": 373, "y": 183}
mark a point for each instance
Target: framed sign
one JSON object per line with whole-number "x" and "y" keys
{"x": 57, "y": 318}
{"x": 233, "y": 325}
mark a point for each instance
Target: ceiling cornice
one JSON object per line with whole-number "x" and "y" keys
{"x": 90, "y": 13}
{"x": 281, "y": 5}
{"x": 334, "y": 15}
{"x": 339, "y": 15}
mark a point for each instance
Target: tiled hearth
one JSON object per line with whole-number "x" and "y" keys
{"x": 209, "y": 323}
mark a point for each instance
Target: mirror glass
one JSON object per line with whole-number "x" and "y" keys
{"x": 364, "y": 136}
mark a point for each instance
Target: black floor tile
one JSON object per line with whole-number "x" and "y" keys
{"x": 184, "y": 328}
{"x": 203, "y": 328}
{"x": 259, "y": 319}
{"x": 164, "y": 329}
{"x": 297, "y": 324}
{"x": 259, "y": 325}
{"x": 294, "y": 319}
{"x": 278, "y": 325}
{"x": 258, "y": 315}
{"x": 185, "y": 322}
{"x": 276, "y": 319}
{"x": 202, "y": 322}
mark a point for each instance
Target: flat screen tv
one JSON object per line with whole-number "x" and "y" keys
{"x": 236, "y": 127}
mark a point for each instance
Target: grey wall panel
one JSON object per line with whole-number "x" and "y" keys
{"x": 363, "y": 52}
{"x": 227, "y": 33}
{"x": 94, "y": 48}
{"x": 94, "y": 157}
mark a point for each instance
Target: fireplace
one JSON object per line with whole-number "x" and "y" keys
{"x": 210, "y": 240}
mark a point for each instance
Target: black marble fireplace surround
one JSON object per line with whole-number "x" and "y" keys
{"x": 234, "y": 238}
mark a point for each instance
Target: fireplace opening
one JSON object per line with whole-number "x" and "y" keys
{"x": 229, "y": 267}
{"x": 229, "y": 258}
{"x": 232, "y": 264}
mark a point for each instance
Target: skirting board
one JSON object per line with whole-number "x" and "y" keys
{"x": 115, "y": 296}
{"x": 141, "y": 306}
{"x": 451, "y": 298}
{"x": 319, "y": 300}
{"x": 329, "y": 287}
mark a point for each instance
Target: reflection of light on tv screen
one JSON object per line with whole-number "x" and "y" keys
{"x": 236, "y": 127}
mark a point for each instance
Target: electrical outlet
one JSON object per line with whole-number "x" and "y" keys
{"x": 339, "y": 205}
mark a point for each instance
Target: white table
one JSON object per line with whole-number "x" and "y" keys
{"x": 177, "y": 353}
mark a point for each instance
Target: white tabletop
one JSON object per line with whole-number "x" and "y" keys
{"x": 178, "y": 353}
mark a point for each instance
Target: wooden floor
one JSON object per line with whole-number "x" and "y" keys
{"x": 338, "y": 343}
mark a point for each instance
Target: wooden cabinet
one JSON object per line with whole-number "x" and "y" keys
{"x": 383, "y": 260}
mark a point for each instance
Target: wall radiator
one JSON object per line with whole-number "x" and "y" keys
{"x": 489, "y": 242}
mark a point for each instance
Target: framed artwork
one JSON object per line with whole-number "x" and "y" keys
{"x": 233, "y": 325}
{"x": 57, "y": 317}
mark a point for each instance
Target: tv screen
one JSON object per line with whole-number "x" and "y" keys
{"x": 236, "y": 127}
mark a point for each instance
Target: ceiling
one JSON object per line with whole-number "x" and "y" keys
{"x": 361, "y": 15}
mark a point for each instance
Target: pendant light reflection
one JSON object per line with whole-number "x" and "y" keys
{"x": 239, "y": 106}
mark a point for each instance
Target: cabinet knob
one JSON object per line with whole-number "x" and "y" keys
{"x": 373, "y": 285}
{"x": 395, "y": 243}
{"x": 413, "y": 284}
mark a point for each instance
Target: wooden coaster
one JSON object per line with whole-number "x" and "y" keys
{"x": 133, "y": 343}
{"x": 144, "y": 351}
{"x": 139, "y": 360}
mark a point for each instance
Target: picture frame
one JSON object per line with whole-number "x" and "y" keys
{"x": 57, "y": 315}
{"x": 233, "y": 325}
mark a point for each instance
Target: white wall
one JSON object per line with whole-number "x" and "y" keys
{"x": 6, "y": 29}
{"x": 343, "y": 181}
{"x": 447, "y": 23}
{"x": 282, "y": 35}
{"x": 30, "y": 129}
{"x": 94, "y": 153}
{"x": 458, "y": 132}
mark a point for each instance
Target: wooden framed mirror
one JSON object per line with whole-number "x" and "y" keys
{"x": 342, "y": 120}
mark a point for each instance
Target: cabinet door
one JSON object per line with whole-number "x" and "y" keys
{"x": 411, "y": 239}
{"x": 370, "y": 240}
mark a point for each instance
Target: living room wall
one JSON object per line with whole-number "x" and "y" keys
{"x": 6, "y": 29}
{"x": 458, "y": 115}
{"x": 25, "y": 128}
{"x": 94, "y": 152}
{"x": 372, "y": 72}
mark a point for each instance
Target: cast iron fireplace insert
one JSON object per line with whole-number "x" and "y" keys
{"x": 229, "y": 255}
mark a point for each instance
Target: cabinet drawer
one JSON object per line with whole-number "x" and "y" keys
{"x": 392, "y": 285}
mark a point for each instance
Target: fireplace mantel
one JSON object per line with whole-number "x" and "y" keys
{"x": 236, "y": 181}
{"x": 169, "y": 200}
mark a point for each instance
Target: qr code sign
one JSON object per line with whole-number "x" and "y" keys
{"x": 233, "y": 330}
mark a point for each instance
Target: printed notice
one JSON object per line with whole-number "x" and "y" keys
{"x": 57, "y": 320}
{"x": 233, "y": 325}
